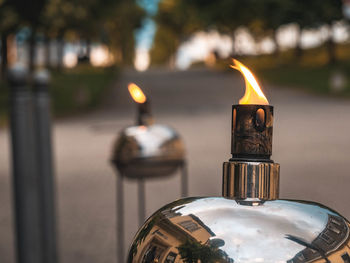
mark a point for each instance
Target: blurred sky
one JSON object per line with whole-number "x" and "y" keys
{"x": 144, "y": 36}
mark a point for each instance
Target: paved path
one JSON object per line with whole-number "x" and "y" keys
{"x": 311, "y": 142}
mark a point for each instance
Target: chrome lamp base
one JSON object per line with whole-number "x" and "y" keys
{"x": 217, "y": 229}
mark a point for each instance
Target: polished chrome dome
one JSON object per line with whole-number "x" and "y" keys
{"x": 148, "y": 151}
{"x": 216, "y": 229}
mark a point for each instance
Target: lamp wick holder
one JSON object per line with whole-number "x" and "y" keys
{"x": 144, "y": 114}
{"x": 251, "y": 173}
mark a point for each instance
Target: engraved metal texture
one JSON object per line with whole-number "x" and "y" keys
{"x": 148, "y": 151}
{"x": 243, "y": 180}
{"x": 252, "y": 131}
{"x": 220, "y": 230}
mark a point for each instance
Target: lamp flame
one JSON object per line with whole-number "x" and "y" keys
{"x": 253, "y": 93}
{"x": 136, "y": 93}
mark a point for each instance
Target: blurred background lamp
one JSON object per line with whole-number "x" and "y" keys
{"x": 145, "y": 150}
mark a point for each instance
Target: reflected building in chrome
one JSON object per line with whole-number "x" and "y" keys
{"x": 172, "y": 237}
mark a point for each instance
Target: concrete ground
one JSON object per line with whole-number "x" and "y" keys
{"x": 311, "y": 142}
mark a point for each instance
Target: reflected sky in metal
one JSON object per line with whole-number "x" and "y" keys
{"x": 241, "y": 226}
{"x": 250, "y": 231}
{"x": 151, "y": 138}
{"x": 148, "y": 151}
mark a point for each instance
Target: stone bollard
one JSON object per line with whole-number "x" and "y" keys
{"x": 24, "y": 169}
{"x": 42, "y": 124}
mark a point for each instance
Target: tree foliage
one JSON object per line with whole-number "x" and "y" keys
{"x": 110, "y": 21}
{"x": 261, "y": 17}
{"x": 176, "y": 20}
{"x": 192, "y": 251}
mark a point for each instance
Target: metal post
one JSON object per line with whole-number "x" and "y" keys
{"x": 120, "y": 218}
{"x": 142, "y": 201}
{"x": 45, "y": 164}
{"x": 184, "y": 180}
{"x": 25, "y": 176}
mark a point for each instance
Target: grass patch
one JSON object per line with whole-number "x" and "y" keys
{"x": 80, "y": 89}
{"x": 315, "y": 79}
{"x": 72, "y": 91}
{"x": 3, "y": 103}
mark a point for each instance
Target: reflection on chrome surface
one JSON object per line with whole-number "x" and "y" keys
{"x": 215, "y": 229}
{"x": 148, "y": 151}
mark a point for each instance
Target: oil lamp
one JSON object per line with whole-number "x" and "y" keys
{"x": 145, "y": 150}
{"x": 248, "y": 223}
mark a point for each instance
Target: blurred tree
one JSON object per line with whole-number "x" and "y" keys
{"x": 30, "y": 13}
{"x": 119, "y": 28}
{"x": 329, "y": 12}
{"x": 192, "y": 251}
{"x": 8, "y": 24}
{"x": 164, "y": 48}
{"x": 112, "y": 21}
{"x": 78, "y": 19}
{"x": 301, "y": 13}
{"x": 55, "y": 21}
{"x": 225, "y": 15}
{"x": 266, "y": 17}
{"x": 313, "y": 14}
{"x": 176, "y": 20}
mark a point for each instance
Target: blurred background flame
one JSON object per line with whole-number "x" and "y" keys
{"x": 136, "y": 93}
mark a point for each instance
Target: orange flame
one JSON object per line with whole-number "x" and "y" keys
{"x": 136, "y": 93}
{"x": 253, "y": 93}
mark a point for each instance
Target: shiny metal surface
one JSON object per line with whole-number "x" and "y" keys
{"x": 148, "y": 151}
{"x": 243, "y": 180}
{"x": 216, "y": 229}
